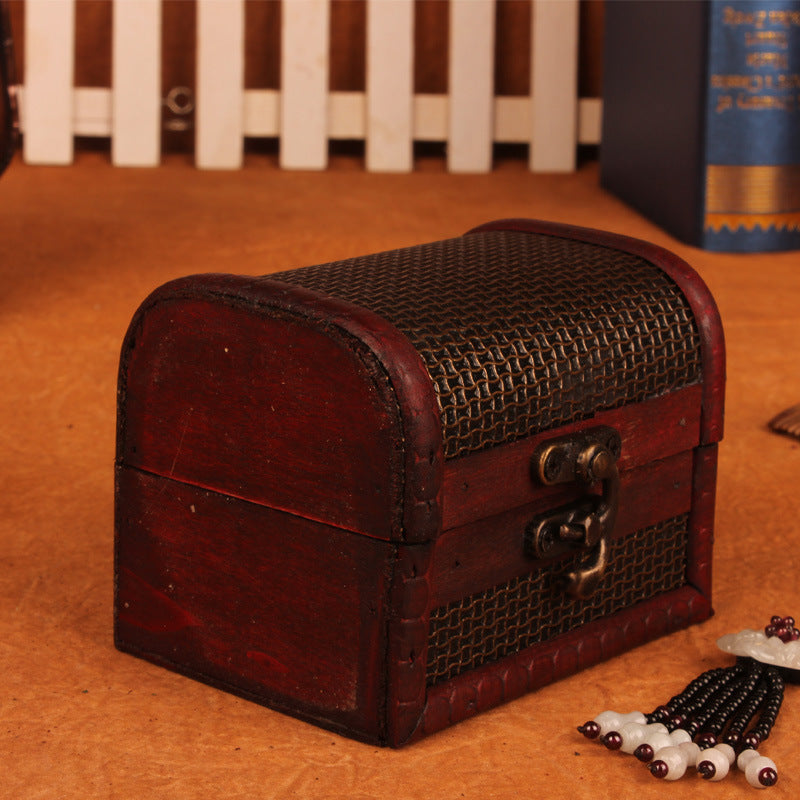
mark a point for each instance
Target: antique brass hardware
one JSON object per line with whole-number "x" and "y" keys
{"x": 588, "y": 457}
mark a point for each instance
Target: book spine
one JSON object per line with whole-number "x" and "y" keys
{"x": 752, "y": 172}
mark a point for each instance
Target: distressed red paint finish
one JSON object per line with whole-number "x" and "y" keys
{"x": 288, "y": 525}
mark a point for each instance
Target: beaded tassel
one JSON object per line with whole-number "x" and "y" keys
{"x": 720, "y": 719}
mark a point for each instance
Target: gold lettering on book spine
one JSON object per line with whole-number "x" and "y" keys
{"x": 753, "y": 197}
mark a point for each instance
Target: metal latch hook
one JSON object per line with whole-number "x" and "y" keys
{"x": 587, "y": 457}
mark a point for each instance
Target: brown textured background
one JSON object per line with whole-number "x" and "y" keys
{"x": 79, "y": 248}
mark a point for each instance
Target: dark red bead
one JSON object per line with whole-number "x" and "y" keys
{"x": 659, "y": 769}
{"x": 788, "y": 622}
{"x": 662, "y": 714}
{"x": 751, "y": 741}
{"x": 590, "y": 729}
{"x": 768, "y": 777}
{"x": 644, "y": 752}
{"x": 612, "y": 740}
{"x": 706, "y": 770}
{"x": 770, "y": 630}
{"x": 775, "y": 620}
{"x": 706, "y": 740}
{"x": 732, "y": 738}
{"x": 795, "y": 635}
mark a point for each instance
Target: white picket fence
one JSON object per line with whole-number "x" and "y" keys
{"x": 303, "y": 114}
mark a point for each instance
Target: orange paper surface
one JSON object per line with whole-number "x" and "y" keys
{"x": 80, "y": 247}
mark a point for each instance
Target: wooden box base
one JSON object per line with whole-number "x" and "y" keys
{"x": 328, "y": 513}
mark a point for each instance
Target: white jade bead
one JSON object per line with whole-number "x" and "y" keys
{"x": 745, "y": 757}
{"x": 634, "y": 733}
{"x": 680, "y": 736}
{"x": 657, "y": 727}
{"x": 632, "y": 736}
{"x": 727, "y": 751}
{"x": 754, "y": 768}
{"x": 691, "y": 751}
{"x": 675, "y": 759}
{"x": 608, "y": 721}
{"x": 635, "y": 716}
{"x": 658, "y": 741}
{"x": 613, "y": 720}
{"x": 718, "y": 760}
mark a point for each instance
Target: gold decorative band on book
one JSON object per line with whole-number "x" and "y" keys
{"x": 750, "y": 222}
{"x": 753, "y": 197}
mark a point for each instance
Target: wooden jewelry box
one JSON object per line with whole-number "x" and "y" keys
{"x": 386, "y": 493}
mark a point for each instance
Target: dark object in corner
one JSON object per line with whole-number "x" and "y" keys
{"x": 787, "y": 422}
{"x": 9, "y": 128}
{"x": 701, "y": 120}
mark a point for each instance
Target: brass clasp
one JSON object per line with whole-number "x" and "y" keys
{"x": 588, "y": 457}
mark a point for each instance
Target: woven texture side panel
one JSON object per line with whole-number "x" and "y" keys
{"x": 531, "y": 609}
{"x": 522, "y": 332}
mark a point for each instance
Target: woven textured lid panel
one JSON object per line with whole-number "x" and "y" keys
{"x": 523, "y": 332}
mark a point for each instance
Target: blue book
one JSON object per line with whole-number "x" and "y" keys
{"x": 701, "y": 118}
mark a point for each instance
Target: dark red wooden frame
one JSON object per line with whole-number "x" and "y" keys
{"x": 395, "y": 705}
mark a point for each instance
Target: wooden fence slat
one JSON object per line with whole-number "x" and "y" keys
{"x": 304, "y": 77}
{"x": 91, "y": 111}
{"x": 469, "y": 146}
{"x": 590, "y": 120}
{"x": 346, "y": 115}
{"x": 49, "y": 60}
{"x": 92, "y": 115}
{"x": 261, "y": 112}
{"x": 303, "y": 113}
{"x": 430, "y": 117}
{"x": 554, "y": 80}
{"x": 390, "y": 85}
{"x": 219, "y": 114}
{"x": 136, "y": 82}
